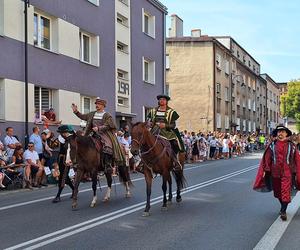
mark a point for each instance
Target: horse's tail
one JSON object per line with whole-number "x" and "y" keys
{"x": 124, "y": 175}
{"x": 180, "y": 179}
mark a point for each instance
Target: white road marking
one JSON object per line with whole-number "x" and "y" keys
{"x": 81, "y": 191}
{"x": 78, "y": 228}
{"x": 275, "y": 232}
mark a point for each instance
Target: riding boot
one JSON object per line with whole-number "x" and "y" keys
{"x": 176, "y": 163}
{"x": 107, "y": 163}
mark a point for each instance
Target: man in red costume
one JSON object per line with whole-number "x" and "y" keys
{"x": 279, "y": 168}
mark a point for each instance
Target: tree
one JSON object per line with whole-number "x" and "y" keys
{"x": 290, "y": 102}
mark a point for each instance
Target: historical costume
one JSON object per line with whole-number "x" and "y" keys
{"x": 100, "y": 126}
{"x": 278, "y": 168}
{"x": 163, "y": 120}
{"x": 65, "y": 131}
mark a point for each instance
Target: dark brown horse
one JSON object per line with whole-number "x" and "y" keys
{"x": 156, "y": 159}
{"x": 88, "y": 160}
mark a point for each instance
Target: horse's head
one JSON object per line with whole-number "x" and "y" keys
{"x": 71, "y": 146}
{"x": 138, "y": 135}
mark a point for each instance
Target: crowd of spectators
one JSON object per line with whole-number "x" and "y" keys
{"x": 37, "y": 164}
{"x": 217, "y": 145}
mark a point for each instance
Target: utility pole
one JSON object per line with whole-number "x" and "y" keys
{"x": 26, "y": 5}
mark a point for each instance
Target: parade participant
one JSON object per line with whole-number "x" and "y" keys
{"x": 163, "y": 119}
{"x": 279, "y": 166}
{"x": 100, "y": 126}
{"x": 65, "y": 131}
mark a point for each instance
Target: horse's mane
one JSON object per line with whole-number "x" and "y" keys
{"x": 85, "y": 141}
{"x": 136, "y": 124}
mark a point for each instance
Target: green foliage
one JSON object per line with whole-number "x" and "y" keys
{"x": 290, "y": 102}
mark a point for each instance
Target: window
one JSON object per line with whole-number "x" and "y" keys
{"x": 96, "y": 2}
{"x": 89, "y": 48}
{"x": 2, "y": 100}
{"x": 218, "y": 105}
{"x": 249, "y": 126}
{"x": 1, "y": 18}
{"x": 167, "y": 61}
{"x": 238, "y": 121}
{"x": 148, "y": 23}
{"x": 148, "y": 71}
{"x": 122, "y": 47}
{"x": 218, "y": 61}
{"x": 227, "y": 67}
{"x": 219, "y": 123}
{"x": 85, "y": 45}
{"x": 244, "y": 125}
{"x": 43, "y": 100}
{"x": 146, "y": 111}
{"x": 122, "y": 101}
{"x": 122, "y": 74}
{"x": 42, "y": 31}
{"x": 226, "y": 94}
{"x": 86, "y": 104}
{"x": 122, "y": 19}
{"x": 124, "y": 2}
{"x": 226, "y": 122}
{"x": 238, "y": 101}
{"x": 218, "y": 88}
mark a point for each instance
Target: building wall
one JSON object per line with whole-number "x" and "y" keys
{"x": 59, "y": 69}
{"x": 223, "y": 97}
{"x": 190, "y": 81}
{"x": 273, "y": 104}
{"x": 145, "y": 46}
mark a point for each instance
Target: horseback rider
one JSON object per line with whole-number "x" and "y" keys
{"x": 64, "y": 164}
{"x": 101, "y": 127}
{"x": 163, "y": 119}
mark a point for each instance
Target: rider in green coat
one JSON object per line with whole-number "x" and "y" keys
{"x": 163, "y": 119}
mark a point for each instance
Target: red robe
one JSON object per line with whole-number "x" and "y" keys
{"x": 281, "y": 170}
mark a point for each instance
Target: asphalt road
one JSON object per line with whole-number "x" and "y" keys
{"x": 219, "y": 211}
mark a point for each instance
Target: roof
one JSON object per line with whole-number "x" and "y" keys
{"x": 191, "y": 39}
{"x": 159, "y": 5}
{"x": 239, "y": 46}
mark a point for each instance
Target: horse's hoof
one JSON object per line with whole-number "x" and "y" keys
{"x": 128, "y": 195}
{"x": 179, "y": 199}
{"x": 164, "y": 209}
{"x": 74, "y": 207}
{"x": 169, "y": 203}
{"x": 93, "y": 205}
{"x": 146, "y": 214}
{"x": 106, "y": 199}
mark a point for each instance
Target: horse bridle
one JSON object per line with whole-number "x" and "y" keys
{"x": 141, "y": 141}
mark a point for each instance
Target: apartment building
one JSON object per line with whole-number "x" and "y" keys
{"x": 273, "y": 103}
{"x": 78, "y": 50}
{"x": 211, "y": 81}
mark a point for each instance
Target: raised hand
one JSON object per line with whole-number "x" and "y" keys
{"x": 74, "y": 107}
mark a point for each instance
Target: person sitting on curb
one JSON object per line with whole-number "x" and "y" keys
{"x": 33, "y": 165}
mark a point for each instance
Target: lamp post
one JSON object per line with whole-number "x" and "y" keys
{"x": 26, "y": 5}
{"x": 233, "y": 77}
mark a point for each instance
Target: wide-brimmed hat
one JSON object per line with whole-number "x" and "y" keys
{"x": 100, "y": 101}
{"x": 163, "y": 96}
{"x": 65, "y": 128}
{"x": 281, "y": 127}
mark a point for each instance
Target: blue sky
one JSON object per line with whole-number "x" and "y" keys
{"x": 268, "y": 30}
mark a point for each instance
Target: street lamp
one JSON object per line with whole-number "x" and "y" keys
{"x": 233, "y": 77}
{"x": 26, "y": 5}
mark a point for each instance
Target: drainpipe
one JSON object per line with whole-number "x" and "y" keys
{"x": 164, "y": 54}
{"x": 26, "y": 5}
{"x": 214, "y": 86}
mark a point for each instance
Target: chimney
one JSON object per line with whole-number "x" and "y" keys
{"x": 196, "y": 33}
{"x": 176, "y": 29}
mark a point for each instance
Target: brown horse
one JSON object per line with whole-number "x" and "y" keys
{"x": 87, "y": 158}
{"x": 156, "y": 158}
